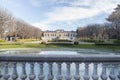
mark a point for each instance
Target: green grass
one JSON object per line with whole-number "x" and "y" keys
{"x": 87, "y": 46}
{"x": 26, "y": 40}
{"x": 93, "y": 46}
{"x": 1, "y": 41}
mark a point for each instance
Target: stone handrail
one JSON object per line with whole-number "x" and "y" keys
{"x": 60, "y": 58}
{"x": 105, "y": 60}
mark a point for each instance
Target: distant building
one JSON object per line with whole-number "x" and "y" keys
{"x": 59, "y": 34}
{"x": 11, "y": 37}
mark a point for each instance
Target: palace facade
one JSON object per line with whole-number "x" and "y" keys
{"x": 59, "y": 34}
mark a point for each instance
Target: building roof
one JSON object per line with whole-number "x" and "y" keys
{"x": 58, "y": 30}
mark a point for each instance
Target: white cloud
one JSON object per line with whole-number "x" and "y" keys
{"x": 106, "y": 6}
{"x": 41, "y": 26}
{"x": 102, "y": 5}
{"x": 64, "y": 10}
{"x": 72, "y": 13}
{"x": 75, "y": 10}
{"x": 82, "y": 3}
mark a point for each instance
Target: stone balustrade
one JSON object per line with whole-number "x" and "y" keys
{"x": 104, "y": 60}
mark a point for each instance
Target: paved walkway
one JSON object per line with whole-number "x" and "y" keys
{"x": 85, "y": 43}
{"x": 41, "y": 41}
{"x": 34, "y": 42}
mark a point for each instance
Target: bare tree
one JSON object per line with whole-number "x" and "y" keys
{"x": 11, "y": 26}
{"x": 5, "y": 18}
{"x": 93, "y": 31}
{"x": 114, "y": 18}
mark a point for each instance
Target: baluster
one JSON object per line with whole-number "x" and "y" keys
{"x": 59, "y": 76}
{"x": 0, "y": 74}
{"x": 23, "y": 75}
{"x": 112, "y": 72}
{"x": 118, "y": 72}
{"x": 6, "y": 75}
{"x": 32, "y": 74}
{"x": 77, "y": 76}
{"x": 68, "y": 76}
{"x": 104, "y": 73}
{"x": 41, "y": 75}
{"x": 14, "y": 75}
{"x": 95, "y": 74}
{"x": 50, "y": 74}
{"x": 86, "y": 74}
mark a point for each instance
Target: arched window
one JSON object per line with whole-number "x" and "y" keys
{"x": 68, "y": 34}
{"x": 44, "y": 34}
{"x": 59, "y": 34}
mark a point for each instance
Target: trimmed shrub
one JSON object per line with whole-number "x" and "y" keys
{"x": 43, "y": 42}
{"x": 2, "y": 41}
{"x": 91, "y": 40}
{"x": 76, "y": 43}
{"x": 117, "y": 41}
{"x": 59, "y": 40}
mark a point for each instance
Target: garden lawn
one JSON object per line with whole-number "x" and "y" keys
{"x": 37, "y": 45}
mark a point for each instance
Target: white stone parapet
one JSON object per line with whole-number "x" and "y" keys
{"x": 104, "y": 60}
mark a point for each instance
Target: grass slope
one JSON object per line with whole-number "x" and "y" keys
{"x": 37, "y": 45}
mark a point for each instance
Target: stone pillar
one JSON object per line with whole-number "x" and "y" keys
{"x": 41, "y": 75}
{"x": 6, "y": 74}
{"x": 77, "y": 76}
{"x": 86, "y": 74}
{"x": 59, "y": 75}
{"x": 104, "y": 73}
{"x": 95, "y": 74}
{"x": 32, "y": 74}
{"x": 68, "y": 74}
{"x": 23, "y": 75}
{"x": 14, "y": 75}
{"x": 112, "y": 72}
{"x": 50, "y": 74}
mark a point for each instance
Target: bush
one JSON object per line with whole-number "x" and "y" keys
{"x": 107, "y": 44}
{"x": 61, "y": 44}
{"x": 2, "y": 41}
{"x": 76, "y": 43}
{"x": 60, "y": 40}
{"x": 99, "y": 41}
{"x": 91, "y": 40}
{"x": 43, "y": 42}
{"x": 117, "y": 41}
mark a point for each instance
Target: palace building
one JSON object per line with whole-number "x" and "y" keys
{"x": 59, "y": 35}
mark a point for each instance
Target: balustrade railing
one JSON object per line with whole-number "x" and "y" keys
{"x": 104, "y": 60}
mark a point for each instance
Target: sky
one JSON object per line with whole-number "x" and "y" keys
{"x": 60, "y": 14}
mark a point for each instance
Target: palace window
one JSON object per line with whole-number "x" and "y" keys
{"x": 68, "y": 35}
